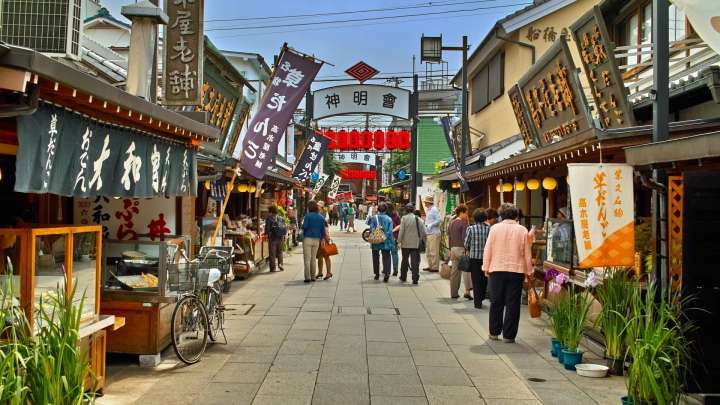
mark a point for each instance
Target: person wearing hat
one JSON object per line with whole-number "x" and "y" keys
{"x": 412, "y": 232}
{"x": 432, "y": 228}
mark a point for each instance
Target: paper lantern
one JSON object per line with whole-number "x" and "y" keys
{"x": 379, "y": 140}
{"x": 404, "y": 139}
{"x": 549, "y": 183}
{"x": 252, "y": 188}
{"x": 332, "y": 145}
{"x": 507, "y": 187}
{"x": 533, "y": 184}
{"x": 366, "y": 139}
{"x": 354, "y": 141}
{"x": 519, "y": 186}
{"x": 242, "y": 188}
{"x": 391, "y": 140}
{"x": 342, "y": 139}
{"x": 207, "y": 184}
{"x": 497, "y": 188}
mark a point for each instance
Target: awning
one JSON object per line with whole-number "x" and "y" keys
{"x": 688, "y": 148}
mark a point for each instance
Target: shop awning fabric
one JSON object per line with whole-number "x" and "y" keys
{"x": 675, "y": 150}
{"x": 65, "y": 153}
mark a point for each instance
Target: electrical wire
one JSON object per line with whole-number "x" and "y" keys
{"x": 363, "y": 19}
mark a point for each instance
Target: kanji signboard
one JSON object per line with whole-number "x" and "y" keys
{"x": 314, "y": 150}
{"x": 606, "y": 83}
{"x": 64, "y": 153}
{"x": 520, "y": 110}
{"x": 292, "y": 77}
{"x": 183, "y": 63}
{"x": 553, "y": 96}
{"x": 603, "y": 213}
{"x": 355, "y": 157}
{"x": 334, "y": 186}
{"x": 361, "y": 98}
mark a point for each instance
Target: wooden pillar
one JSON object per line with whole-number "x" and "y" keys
{"x": 228, "y": 188}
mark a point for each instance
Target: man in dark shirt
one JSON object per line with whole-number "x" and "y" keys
{"x": 456, "y": 240}
{"x": 275, "y": 229}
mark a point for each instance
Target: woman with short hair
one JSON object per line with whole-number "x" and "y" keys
{"x": 313, "y": 232}
{"x": 384, "y": 222}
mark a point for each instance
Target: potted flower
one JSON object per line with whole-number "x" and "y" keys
{"x": 659, "y": 348}
{"x": 557, "y": 311}
{"x": 578, "y": 306}
{"x": 614, "y": 294}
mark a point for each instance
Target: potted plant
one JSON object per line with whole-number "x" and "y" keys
{"x": 85, "y": 246}
{"x": 659, "y": 348}
{"x": 557, "y": 311}
{"x": 614, "y": 294}
{"x": 578, "y": 306}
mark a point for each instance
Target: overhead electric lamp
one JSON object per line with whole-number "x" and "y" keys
{"x": 497, "y": 188}
{"x": 519, "y": 185}
{"x": 252, "y": 188}
{"x": 242, "y": 188}
{"x": 533, "y": 184}
{"x": 549, "y": 183}
{"x": 455, "y": 184}
{"x": 507, "y": 187}
{"x": 207, "y": 184}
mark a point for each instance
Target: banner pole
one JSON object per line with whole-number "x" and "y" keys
{"x": 222, "y": 209}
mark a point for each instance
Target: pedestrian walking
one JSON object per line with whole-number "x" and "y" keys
{"x": 507, "y": 261}
{"x": 432, "y": 228}
{"x": 392, "y": 213}
{"x": 475, "y": 239}
{"x": 276, "y": 230}
{"x": 342, "y": 213}
{"x": 323, "y": 258}
{"x": 384, "y": 222}
{"x": 456, "y": 240}
{"x": 351, "y": 217}
{"x": 313, "y": 232}
{"x": 292, "y": 216}
{"x": 410, "y": 236}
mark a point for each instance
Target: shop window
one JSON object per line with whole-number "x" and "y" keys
{"x": 487, "y": 85}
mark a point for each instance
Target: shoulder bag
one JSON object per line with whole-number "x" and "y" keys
{"x": 377, "y": 235}
{"x": 421, "y": 240}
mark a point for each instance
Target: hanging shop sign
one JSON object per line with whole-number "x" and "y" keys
{"x": 361, "y": 99}
{"x": 290, "y": 81}
{"x": 603, "y": 213}
{"x": 320, "y": 183}
{"x": 355, "y": 174}
{"x": 379, "y": 140}
{"x": 450, "y": 139}
{"x": 314, "y": 150}
{"x": 553, "y": 96}
{"x": 183, "y": 63}
{"x": 334, "y": 186}
{"x": 128, "y": 218}
{"x": 62, "y": 152}
{"x": 598, "y": 60}
{"x": 355, "y": 157}
{"x": 218, "y": 99}
{"x": 527, "y": 130}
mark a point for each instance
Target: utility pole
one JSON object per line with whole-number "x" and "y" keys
{"x": 465, "y": 117}
{"x": 661, "y": 112}
{"x": 414, "y": 139}
{"x": 365, "y": 167}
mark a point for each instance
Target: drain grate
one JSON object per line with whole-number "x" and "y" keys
{"x": 535, "y": 379}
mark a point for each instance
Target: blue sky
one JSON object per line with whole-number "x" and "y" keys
{"x": 388, "y": 45}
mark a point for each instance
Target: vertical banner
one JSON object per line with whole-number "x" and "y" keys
{"x": 320, "y": 183}
{"x": 334, "y": 186}
{"x": 456, "y": 156}
{"x": 183, "y": 63}
{"x": 291, "y": 79}
{"x": 314, "y": 151}
{"x": 603, "y": 213}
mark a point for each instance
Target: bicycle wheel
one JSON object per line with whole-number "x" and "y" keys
{"x": 216, "y": 316}
{"x": 189, "y": 329}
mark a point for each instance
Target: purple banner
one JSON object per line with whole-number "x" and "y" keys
{"x": 451, "y": 144}
{"x": 315, "y": 149}
{"x": 291, "y": 79}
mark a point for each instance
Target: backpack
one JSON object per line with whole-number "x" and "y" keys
{"x": 278, "y": 229}
{"x": 377, "y": 235}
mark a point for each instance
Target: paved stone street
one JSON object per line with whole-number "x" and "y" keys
{"x": 353, "y": 340}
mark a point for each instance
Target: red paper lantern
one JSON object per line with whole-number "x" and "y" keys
{"x": 366, "y": 139}
{"x": 354, "y": 143}
{"x": 391, "y": 140}
{"x": 342, "y": 139}
{"x": 379, "y": 141}
{"x": 332, "y": 145}
{"x": 404, "y": 139}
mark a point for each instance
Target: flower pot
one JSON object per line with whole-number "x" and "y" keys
{"x": 616, "y": 366}
{"x": 627, "y": 400}
{"x": 560, "y": 353}
{"x": 555, "y": 347}
{"x": 571, "y": 358}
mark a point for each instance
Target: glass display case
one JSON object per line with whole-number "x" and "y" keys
{"x": 137, "y": 270}
{"x": 560, "y": 243}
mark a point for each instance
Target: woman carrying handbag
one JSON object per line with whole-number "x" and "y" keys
{"x": 325, "y": 251}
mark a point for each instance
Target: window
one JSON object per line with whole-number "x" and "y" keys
{"x": 635, "y": 30}
{"x": 488, "y": 84}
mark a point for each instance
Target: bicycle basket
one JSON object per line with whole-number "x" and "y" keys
{"x": 216, "y": 257}
{"x": 186, "y": 278}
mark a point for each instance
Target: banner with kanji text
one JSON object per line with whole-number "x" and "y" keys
{"x": 312, "y": 154}
{"x": 603, "y": 213}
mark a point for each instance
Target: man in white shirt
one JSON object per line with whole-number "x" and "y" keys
{"x": 432, "y": 228}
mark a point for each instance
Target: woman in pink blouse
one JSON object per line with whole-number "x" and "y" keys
{"x": 506, "y": 262}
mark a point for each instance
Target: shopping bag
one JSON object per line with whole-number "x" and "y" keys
{"x": 377, "y": 235}
{"x": 533, "y": 301}
{"x": 445, "y": 270}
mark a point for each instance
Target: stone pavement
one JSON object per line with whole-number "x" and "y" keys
{"x": 353, "y": 340}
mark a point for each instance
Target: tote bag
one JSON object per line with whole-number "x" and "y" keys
{"x": 377, "y": 236}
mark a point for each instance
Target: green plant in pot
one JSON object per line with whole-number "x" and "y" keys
{"x": 558, "y": 311}
{"x": 614, "y": 293}
{"x": 578, "y": 307}
{"x": 659, "y": 348}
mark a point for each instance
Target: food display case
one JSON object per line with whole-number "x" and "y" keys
{"x": 39, "y": 261}
{"x": 560, "y": 251}
{"x": 135, "y": 286}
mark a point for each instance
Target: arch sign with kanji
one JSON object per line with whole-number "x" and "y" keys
{"x": 361, "y": 99}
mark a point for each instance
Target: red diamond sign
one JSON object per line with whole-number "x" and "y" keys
{"x": 362, "y": 71}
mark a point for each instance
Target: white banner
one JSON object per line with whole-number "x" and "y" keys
{"x": 320, "y": 183}
{"x": 704, "y": 15}
{"x": 334, "y": 186}
{"x": 361, "y": 98}
{"x": 127, "y": 218}
{"x": 355, "y": 157}
{"x": 603, "y": 213}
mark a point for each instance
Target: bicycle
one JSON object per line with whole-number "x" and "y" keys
{"x": 199, "y": 313}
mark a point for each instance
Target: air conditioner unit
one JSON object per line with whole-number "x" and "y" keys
{"x": 53, "y": 27}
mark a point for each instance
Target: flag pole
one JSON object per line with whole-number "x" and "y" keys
{"x": 228, "y": 191}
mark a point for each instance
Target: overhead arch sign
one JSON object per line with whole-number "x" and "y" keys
{"x": 361, "y": 99}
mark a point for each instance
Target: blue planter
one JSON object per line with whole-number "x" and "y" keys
{"x": 571, "y": 358}
{"x": 555, "y": 348}
{"x": 560, "y": 353}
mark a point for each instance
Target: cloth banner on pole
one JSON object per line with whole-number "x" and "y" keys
{"x": 64, "y": 153}
{"x": 346, "y": 196}
{"x": 603, "y": 213}
{"x": 314, "y": 151}
{"x": 320, "y": 183}
{"x": 451, "y": 144}
{"x": 704, "y": 15}
{"x": 334, "y": 186}
{"x": 291, "y": 79}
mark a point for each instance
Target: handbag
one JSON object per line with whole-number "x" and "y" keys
{"x": 464, "y": 263}
{"x": 533, "y": 301}
{"x": 377, "y": 235}
{"x": 329, "y": 249}
{"x": 445, "y": 271}
{"x": 421, "y": 240}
